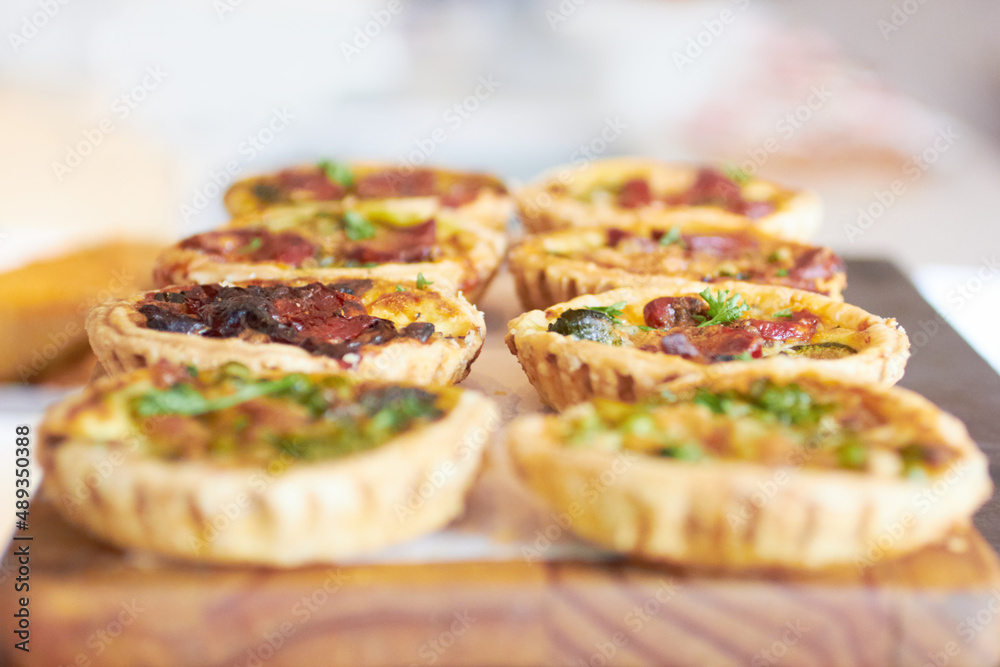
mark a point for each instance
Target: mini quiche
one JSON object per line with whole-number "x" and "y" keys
{"x": 625, "y": 343}
{"x": 756, "y": 473}
{"x": 281, "y": 471}
{"x": 623, "y": 191}
{"x": 558, "y": 266}
{"x": 469, "y": 195}
{"x": 398, "y": 240}
{"x": 395, "y": 331}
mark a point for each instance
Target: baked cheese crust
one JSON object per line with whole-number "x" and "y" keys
{"x": 783, "y": 332}
{"x": 755, "y": 473}
{"x": 623, "y": 191}
{"x": 397, "y": 330}
{"x": 376, "y": 239}
{"x": 473, "y": 196}
{"x": 557, "y": 266}
{"x": 280, "y": 471}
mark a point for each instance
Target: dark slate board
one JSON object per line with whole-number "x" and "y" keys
{"x": 943, "y": 367}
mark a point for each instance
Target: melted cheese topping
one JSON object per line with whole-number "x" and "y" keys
{"x": 232, "y": 419}
{"x": 326, "y": 228}
{"x": 774, "y": 425}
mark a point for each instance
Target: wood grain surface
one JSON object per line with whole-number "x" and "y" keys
{"x": 93, "y": 605}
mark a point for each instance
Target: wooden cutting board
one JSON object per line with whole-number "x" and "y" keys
{"x": 92, "y": 605}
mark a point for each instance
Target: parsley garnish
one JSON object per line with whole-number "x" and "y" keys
{"x": 183, "y": 399}
{"x": 717, "y": 403}
{"x": 789, "y": 404}
{"x": 357, "y": 228}
{"x": 684, "y": 452}
{"x": 672, "y": 236}
{"x": 781, "y": 273}
{"x": 422, "y": 282}
{"x": 721, "y": 308}
{"x": 400, "y": 288}
{"x": 735, "y": 174}
{"x": 852, "y": 455}
{"x": 254, "y": 244}
{"x": 614, "y": 311}
{"x": 338, "y": 172}
{"x": 786, "y": 313}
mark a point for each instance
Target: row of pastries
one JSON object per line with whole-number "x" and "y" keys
{"x": 704, "y": 373}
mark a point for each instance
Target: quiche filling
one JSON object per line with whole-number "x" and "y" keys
{"x": 229, "y": 418}
{"x": 331, "y": 320}
{"x": 708, "y": 328}
{"x": 333, "y": 181}
{"x": 770, "y": 424}
{"x": 708, "y": 257}
{"x": 323, "y": 239}
{"x": 710, "y": 188}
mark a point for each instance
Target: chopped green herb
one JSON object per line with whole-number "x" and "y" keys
{"x": 720, "y": 404}
{"x": 368, "y": 265}
{"x": 852, "y": 455}
{"x": 781, "y": 273}
{"x": 743, "y": 356}
{"x": 774, "y": 257}
{"x": 721, "y": 308}
{"x": 639, "y": 424}
{"x": 231, "y": 369}
{"x": 786, "y": 314}
{"x": 357, "y": 228}
{"x": 614, "y": 311}
{"x": 584, "y": 428}
{"x": 422, "y": 282}
{"x": 735, "y": 174}
{"x": 671, "y": 237}
{"x": 684, "y": 452}
{"x": 914, "y": 461}
{"x": 338, "y": 172}
{"x": 183, "y": 399}
{"x": 400, "y": 288}
{"x": 254, "y": 244}
{"x": 789, "y": 404}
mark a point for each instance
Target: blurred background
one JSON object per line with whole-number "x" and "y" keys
{"x": 128, "y": 119}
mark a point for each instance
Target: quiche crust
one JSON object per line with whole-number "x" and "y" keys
{"x": 489, "y": 208}
{"x": 736, "y": 514}
{"x": 122, "y": 343}
{"x": 469, "y": 272}
{"x": 565, "y": 371}
{"x": 286, "y": 514}
{"x": 543, "y": 278}
{"x": 797, "y": 215}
